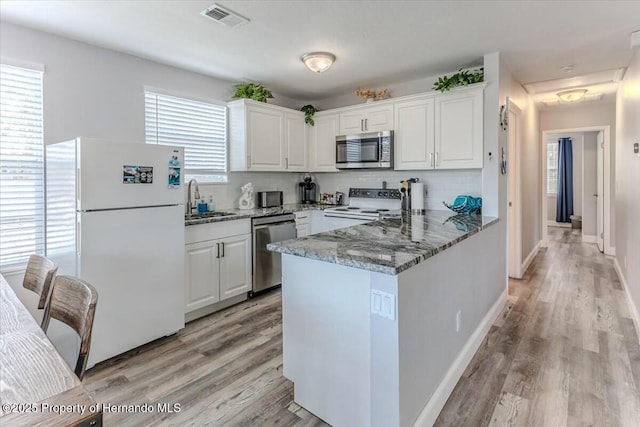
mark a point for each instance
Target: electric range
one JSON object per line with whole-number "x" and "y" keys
{"x": 368, "y": 203}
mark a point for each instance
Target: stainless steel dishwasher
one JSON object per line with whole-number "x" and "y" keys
{"x": 267, "y": 265}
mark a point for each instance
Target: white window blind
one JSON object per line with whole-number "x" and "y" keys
{"x": 199, "y": 127}
{"x": 552, "y": 168}
{"x": 21, "y": 165}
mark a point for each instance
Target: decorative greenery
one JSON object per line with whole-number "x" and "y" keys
{"x": 309, "y": 111}
{"x": 254, "y": 91}
{"x": 461, "y": 78}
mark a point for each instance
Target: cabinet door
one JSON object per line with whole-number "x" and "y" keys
{"x": 414, "y": 135}
{"x": 296, "y": 141}
{"x": 235, "y": 265}
{"x": 377, "y": 119}
{"x": 202, "y": 276}
{"x": 351, "y": 122}
{"x": 265, "y": 139}
{"x": 322, "y": 144}
{"x": 367, "y": 119}
{"x": 458, "y": 130}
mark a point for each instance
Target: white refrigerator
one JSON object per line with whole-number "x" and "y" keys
{"x": 115, "y": 218}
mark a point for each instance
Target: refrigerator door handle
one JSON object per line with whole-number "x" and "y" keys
{"x": 78, "y": 245}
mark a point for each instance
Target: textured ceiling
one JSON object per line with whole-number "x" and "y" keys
{"x": 376, "y": 42}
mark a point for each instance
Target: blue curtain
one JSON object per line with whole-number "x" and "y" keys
{"x": 564, "y": 205}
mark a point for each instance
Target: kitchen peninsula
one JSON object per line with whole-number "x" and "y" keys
{"x": 380, "y": 319}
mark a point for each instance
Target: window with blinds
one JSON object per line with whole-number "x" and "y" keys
{"x": 552, "y": 168}
{"x": 199, "y": 127}
{"x": 21, "y": 165}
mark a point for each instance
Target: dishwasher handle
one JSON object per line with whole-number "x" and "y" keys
{"x": 260, "y": 227}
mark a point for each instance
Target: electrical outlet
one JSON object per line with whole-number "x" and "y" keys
{"x": 458, "y": 320}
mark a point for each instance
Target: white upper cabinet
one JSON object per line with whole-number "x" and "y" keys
{"x": 296, "y": 142}
{"x": 265, "y": 137}
{"x": 366, "y": 119}
{"x": 458, "y": 129}
{"x": 322, "y": 143}
{"x": 439, "y": 131}
{"x": 414, "y": 134}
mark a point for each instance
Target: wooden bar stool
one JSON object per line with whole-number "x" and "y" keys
{"x": 73, "y": 301}
{"x": 38, "y": 277}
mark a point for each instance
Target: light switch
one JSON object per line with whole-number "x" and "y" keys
{"x": 383, "y": 304}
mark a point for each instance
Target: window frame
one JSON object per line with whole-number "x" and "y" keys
{"x": 554, "y": 149}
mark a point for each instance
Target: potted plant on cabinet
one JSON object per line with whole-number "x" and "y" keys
{"x": 255, "y": 91}
{"x": 461, "y": 78}
{"x": 309, "y": 111}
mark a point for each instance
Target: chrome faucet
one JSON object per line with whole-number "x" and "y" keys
{"x": 196, "y": 196}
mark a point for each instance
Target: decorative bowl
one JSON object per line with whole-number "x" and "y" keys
{"x": 465, "y": 204}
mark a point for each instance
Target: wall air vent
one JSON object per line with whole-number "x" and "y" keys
{"x": 224, "y": 16}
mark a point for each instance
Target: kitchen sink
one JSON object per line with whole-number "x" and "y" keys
{"x": 208, "y": 215}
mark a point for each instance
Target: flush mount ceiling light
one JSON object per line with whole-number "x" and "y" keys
{"x": 318, "y": 61}
{"x": 572, "y": 95}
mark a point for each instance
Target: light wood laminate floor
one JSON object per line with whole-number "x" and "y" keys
{"x": 563, "y": 352}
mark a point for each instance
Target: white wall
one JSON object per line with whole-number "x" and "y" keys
{"x": 411, "y": 87}
{"x": 530, "y": 164}
{"x": 628, "y": 183}
{"x": 530, "y": 170}
{"x": 598, "y": 114}
{"x": 95, "y": 92}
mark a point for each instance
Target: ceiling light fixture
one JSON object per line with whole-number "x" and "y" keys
{"x": 572, "y": 95}
{"x": 318, "y": 61}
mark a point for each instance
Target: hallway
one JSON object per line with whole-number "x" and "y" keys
{"x": 563, "y": 352}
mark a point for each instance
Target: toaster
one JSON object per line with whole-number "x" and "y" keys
{"x": 269, "y": 199}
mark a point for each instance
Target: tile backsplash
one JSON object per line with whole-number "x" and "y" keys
{"x": 441, "y": 185}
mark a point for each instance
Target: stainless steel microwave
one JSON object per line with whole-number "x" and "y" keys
{"x": 365, "y": 151}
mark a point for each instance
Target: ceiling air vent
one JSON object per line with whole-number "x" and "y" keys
{"x": 224, "y": 16}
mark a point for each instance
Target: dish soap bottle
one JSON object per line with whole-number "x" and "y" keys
{"x": 210, "y": 204}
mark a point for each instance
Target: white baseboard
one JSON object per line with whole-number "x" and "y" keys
{"x": 530, "y": 257}
{"x": 430, "y": 413}
{"x": 589, "y": 239}
{"x": 632, "y": 307}
{"x": 558, "y": 224}
{"x": 610, "y": 250}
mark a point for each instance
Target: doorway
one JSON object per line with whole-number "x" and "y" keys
{"x": 592, "y": 197}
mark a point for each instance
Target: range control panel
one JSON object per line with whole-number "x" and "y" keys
{"x": 374, "y": 193}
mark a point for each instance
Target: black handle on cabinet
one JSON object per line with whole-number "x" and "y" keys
{"x": 222, "y": 256}
{"x": 217, "y": 250}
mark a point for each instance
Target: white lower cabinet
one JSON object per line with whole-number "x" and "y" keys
{"x": 217, "y": 262}
{"x": 303, "y": 224}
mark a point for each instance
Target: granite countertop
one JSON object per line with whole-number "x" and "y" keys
{"x": 255, "y": 213}
{"x": 388, "y": 246}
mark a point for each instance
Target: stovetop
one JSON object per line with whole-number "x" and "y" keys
{"x": 368, "y": 203}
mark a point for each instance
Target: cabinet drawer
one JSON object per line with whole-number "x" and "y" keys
{"x": 302, "y": 217}
{"x": 216, "y": 230}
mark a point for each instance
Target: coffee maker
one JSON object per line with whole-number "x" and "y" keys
{"x": 307, "y": 190}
